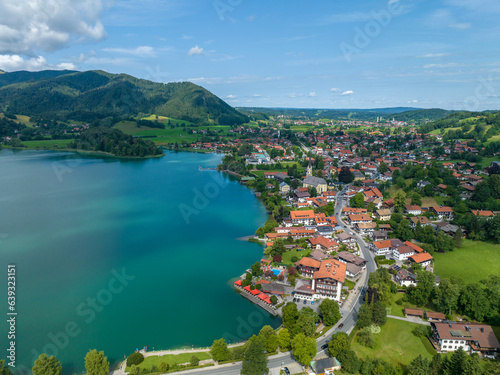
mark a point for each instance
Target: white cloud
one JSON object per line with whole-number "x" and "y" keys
{"x": 30, "y": 25}
{"x": 187, "y": 37}
{"x": 144, "y": 51}
{"x": 231, "y": 96}
{"x": 292, "y": 95}
{"x": 334, "y": 89}
{"x": 312, "y": 94}
{"x": 434, "y": 55}
{"x": 348, "y": 92}
{"x": 15, "y": 62}
{"x": 440, "y": 66}
{"x": 196, "y": 51}
{"x": 256, "y": 95}
{"x": 412, "y": 101}
{"x": 461, "y": 26}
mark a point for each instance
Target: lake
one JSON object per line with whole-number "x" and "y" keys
{"x": 122, "y": 254}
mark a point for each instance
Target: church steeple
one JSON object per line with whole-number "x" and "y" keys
{"x": 309, "y": 170}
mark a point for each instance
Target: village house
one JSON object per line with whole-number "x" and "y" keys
{"x": 424, "y": 220}
{"x": 323, "y": 243}
{"x": 383, "y": 215}
{"x": 443, "y": 212}
{"x": 302, "y": 217}
{"x": 316, "y": 182}
{"x": 471, "y": 337}
{"x": 402, "y": 253}
{"x": 405, "y": 278}
{"x": 424, "y": 259}
{"x": 413, "y": 209}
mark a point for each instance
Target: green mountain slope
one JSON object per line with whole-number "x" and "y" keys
{"x": 92, "y": 95}
{"x": 421, "y": 115}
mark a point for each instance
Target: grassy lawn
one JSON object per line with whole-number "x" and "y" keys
{"x": 496, "y": 330}
{"x": 395, "y": 309}
{"x": 477, "y": 259}
{"x": 429, "y": 202}
{"x": 350, "y": 284}
{"x": 130, "y": 127}
{"x": 47, "y": 144}
{"x": 172, "y": 359}
{"x": 395, "y": 344}
{"x": 287, "y": 256}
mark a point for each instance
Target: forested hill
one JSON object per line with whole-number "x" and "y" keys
{"x": 421, "y": 115}
{"x": 94, "y": 95}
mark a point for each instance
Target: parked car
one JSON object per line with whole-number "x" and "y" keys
{"x": 341, "y": 325}
{"x": 286, "y": 370}
{"x": 324, "y": 346}
{"x": 305, "y": 301}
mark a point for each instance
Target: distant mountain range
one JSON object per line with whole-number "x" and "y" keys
{"x": 92, "y": 95}
{"x": 408, "y": 114}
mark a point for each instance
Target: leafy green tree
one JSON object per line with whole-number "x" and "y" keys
{"x": 46, "y": 365}
{"x": 306, "y": 322}
{"x": 473, "y": 365}
{"x": 446, "y": 296}
{"x": 135, "y": 359}
{"x": 419, "y": 366}
{"x": 474, "y": 302}
{"x": 350, "y": 362}
{"x": 303, "y": 348}
{"x": 357, "y": 201}
{"x": 219, "y": 350}
{"x": 365, "y": 338}
{"x": 421, "y": 294}
{"x": 256, "y": 271}
{"x": 404, "y": 231}
{"x": 416, "y": 198}
{"x": 273, "y": 299}
{"x": 379, "y": 313}
{"x": 278, "y": 247}
{"x": 364, "y": 316}
{"x": 96, "y": 363}
{"x": 338, "y": 343}
{"x": 269, "y": 338}
{"x": 382, "y": 168}
{"x": 312, "y": 191}
{"x": 4, "y": 369}
{"x": 193, "y": 362}
{"x": 163, "y": 367}
{"x": 457, "y": 237}
{"x": 329, "y": 309}
{"x": 290, "y": 315}
{"x": 371, "y": 207}
{"x": 345, "y": 175}
{"x": 482, "y": 192}
{"x": 399, "y": 201}
{"x": 255, "y": 360}
{"x": 134, "y": 370}
{"x": 284, "y": 340}
{"x": 494, "y": 185}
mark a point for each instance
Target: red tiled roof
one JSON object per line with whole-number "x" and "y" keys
{"x": 237, "y": 282}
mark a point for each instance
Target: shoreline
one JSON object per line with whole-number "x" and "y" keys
{"x": 85, "y": 152}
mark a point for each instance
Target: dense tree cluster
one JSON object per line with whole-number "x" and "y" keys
{"x": 114, "y": 142}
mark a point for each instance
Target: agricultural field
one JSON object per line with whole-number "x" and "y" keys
{"x": 472, "y": 262}
{"x": 395, "y": 344}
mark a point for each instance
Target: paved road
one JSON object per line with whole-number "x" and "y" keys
{"x": 349, "y": 311}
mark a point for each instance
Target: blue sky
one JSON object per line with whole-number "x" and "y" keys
{"x": 311, "y": 54}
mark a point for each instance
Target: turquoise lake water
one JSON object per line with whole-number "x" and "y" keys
{"x": 118, "y": 255}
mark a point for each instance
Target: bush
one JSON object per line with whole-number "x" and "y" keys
{"x": 421, "y": 331}
{"x": 294, "y": 259}
{"x": 135, "y": 359}
{"x": 163, "y": 367}
{"x": 374, "y": 329}
{"x": 194, "y": 361}
{"x": 365, "y": 338}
